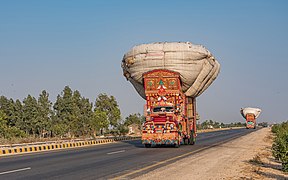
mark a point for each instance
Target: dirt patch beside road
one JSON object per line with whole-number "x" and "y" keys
{"x": 248, "y": 157}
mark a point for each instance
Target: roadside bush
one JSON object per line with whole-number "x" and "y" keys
{"x": 275, "y": 128}
{"x": 280, "y": 144}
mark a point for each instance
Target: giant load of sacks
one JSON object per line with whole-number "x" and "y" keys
{"x": 249, "y": 110}
{"x": 197, "y": 66}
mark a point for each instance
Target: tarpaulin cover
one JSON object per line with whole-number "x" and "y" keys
{"x": 255, "y": 111}
{"x": 196, "y": 65}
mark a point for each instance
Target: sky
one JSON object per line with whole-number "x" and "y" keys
{"x": 47, "y": 45}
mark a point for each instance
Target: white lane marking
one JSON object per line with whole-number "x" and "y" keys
{"x": 16, "y": 170}
{"x": 116, "y": 152}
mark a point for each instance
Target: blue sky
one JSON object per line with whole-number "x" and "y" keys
{"x": 46, "y": 45}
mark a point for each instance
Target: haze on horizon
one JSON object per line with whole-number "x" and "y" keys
{"x": 47, "y": 45}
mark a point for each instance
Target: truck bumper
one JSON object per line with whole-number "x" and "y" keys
{"x": 158, "y": 139}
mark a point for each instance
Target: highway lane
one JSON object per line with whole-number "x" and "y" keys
{"x": 122, "y": 160}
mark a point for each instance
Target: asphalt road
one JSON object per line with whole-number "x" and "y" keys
{"x": 122, "y": 160}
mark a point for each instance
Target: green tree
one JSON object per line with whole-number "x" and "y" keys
{"x": 99, "y": 122}
{"x": 109, "y": 105}
{"x": 222, "y": 125}
{"x": 73, "y": 114}
{"x": 239, "y": 124}
{"x": 216, "y": 124}
{"x": 3, "y": 124}
{"x": 63, "y": 108}
{"x": 86, "y": 110}
{"x": 75, "y": 124}
{"x": 6, "y": 131}
{"x": 121, "y": 129}
{"x": 210, "y": 123}
{"x": 18, "y": 115}
{"x": 82, "y": 113}
{"x": 44, "y": 114}
{"x": 135, "y": 118}
{"x": 206, "y": 124}
{"x": 59, "y": 130}
{"x": 30, "y": 116}
{"x": 7, "y": 106}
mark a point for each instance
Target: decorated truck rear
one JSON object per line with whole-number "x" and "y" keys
{"x": 169, "y": 76}
{"x": 167, "y": 118}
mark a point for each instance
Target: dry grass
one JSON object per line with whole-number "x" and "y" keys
{"x": 256, "y": 160}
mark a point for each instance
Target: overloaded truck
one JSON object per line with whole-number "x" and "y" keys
{"x": 250, "y": 115}
{"x": 169, "y": 76}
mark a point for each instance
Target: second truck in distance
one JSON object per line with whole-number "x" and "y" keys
{"x": 250, "y": 114}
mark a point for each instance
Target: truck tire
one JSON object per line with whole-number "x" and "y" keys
{"x": 192, "y": 139}
{"x": 177, "y": 145}
{"x": 147, "y": 145}
{"x": 186, "y": 141}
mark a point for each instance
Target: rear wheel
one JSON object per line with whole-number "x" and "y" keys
{"x": 177, "y": 145}
{"x": 192, "y": 138}
{"x": 186, "y": 141}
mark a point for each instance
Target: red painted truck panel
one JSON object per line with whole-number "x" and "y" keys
{"x": 170, "y": 115}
